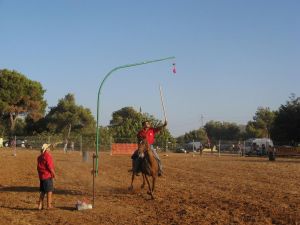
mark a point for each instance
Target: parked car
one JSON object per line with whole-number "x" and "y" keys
{"x": 19, "y": 143}
{"x": 258, "y": 146}
{"x": 193, "y": 146}
{"x": 180, "y": 150}
{"x": 228, "y": 147}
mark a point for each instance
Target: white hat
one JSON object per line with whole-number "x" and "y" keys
{"x": 45, "y": 147}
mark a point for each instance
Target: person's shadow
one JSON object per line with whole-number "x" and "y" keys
{"x": 28, "y": 189}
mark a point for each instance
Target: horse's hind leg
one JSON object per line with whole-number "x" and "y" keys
{"x": 143, "y": 184}
{"x": 153, "y": 183}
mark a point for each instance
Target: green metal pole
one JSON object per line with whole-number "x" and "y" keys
{"x": 98, "y": 99}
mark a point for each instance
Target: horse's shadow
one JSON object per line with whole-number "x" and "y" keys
{"x": 36, "y": 189}
{"x": 119, "y": 191}
{"x": 124, "y": 192}
{"x": 268, "y": 161}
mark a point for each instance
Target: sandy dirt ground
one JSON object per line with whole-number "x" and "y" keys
{"x": 193, "y": 190}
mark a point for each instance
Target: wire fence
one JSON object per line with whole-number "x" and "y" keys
{"x": 250, "y": 147}
{"x": 73, "y": 143}
{"x": 88, "y": 143}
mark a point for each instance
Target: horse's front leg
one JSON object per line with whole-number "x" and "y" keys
{"x": 149, "y": 187}
{"x": 132, "y": 178}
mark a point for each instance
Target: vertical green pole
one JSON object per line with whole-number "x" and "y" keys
{"x": 98, "y": 100}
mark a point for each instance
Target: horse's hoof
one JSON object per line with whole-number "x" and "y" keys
{"x": 130, "y": 188}
{"x": 142, "y": 186}
{"x": 150, "y": 193}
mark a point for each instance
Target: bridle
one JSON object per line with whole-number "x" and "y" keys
{"x": 142, "y": 147}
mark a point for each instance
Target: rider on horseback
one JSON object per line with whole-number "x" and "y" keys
{"x": 148, "y": 133}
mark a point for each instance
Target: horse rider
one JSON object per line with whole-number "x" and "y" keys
{"x": 147, "y": 132}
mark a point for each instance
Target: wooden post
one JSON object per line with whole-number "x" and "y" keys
{"x": 219, "y": 148}
{"x": 94, "y": 175}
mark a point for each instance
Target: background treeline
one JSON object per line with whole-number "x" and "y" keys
{"x": 23, "y": 113}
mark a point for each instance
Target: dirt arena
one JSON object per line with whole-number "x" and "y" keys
{"x": 193, "y": 190}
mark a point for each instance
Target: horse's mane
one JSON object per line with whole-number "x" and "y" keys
{"x": 143, "y": 145}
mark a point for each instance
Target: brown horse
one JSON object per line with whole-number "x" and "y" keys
{"x": 149, "y": 166}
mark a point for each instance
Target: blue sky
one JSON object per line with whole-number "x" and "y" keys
{"x": 232, "y": 56}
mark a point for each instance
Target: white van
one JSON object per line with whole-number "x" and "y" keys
{"x": 254, "y": 146}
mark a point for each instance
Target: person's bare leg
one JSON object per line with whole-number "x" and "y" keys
{"x": 41, "y": 200}
{"x": 49, "y": 200}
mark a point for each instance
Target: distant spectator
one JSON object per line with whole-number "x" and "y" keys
{"x": 239, "y": 149}
{"x": 201, "y": 149}
{"x": 66, "y": 146}
{"x": 13, "y": 143}
{"x": 263, "y": 149}
{"x": 271, "y": 153}
{"x": 255, "y": 149}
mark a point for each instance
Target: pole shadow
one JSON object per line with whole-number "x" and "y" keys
{"x": 67, "y": 208}
{"x": 29, "y": 189}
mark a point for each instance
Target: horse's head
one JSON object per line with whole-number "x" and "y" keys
{"x": 143, "y": 147}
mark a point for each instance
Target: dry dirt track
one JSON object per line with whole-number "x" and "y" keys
{"x": 193, "y": 190}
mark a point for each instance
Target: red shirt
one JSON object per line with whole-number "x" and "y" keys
{"x": 44, "y": 164}
{"x": 149, "y": 134}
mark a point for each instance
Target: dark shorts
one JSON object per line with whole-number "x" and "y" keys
{"x": 46, "y": 185}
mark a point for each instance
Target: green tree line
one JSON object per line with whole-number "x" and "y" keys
{"x": 23, "y": 113}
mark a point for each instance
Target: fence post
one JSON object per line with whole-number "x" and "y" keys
{"x": 166, "y": 145}
{"x": 81, "y": 144}
{"x": 94, "y": 174}
{"x": 15, "y": 146}
{"x": 110, "y": 144}
{"x": 219, "y": 148}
